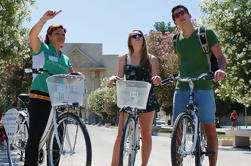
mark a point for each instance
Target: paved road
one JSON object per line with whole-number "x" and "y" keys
{"x": 103, "y": 139}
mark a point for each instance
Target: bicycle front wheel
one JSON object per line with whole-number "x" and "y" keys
{"x": 127, "y": 153}
{"x": 74, "y": 147}
{"x": 16, "y": 146}
{"x": 182, "y": 152}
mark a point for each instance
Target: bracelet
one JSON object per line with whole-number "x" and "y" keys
{"x": 42, "y": 20}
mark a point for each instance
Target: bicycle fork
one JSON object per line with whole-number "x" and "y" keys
{"x": 65, "y": 134}
{"x": 195, "y": 122}
{"x": 136, "y": 142}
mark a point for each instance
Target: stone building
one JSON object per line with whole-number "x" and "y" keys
{"x": 89, "y": 59}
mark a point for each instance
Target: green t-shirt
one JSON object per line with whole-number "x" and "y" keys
{"x": 193, "y": 60}
{"x": 48, "y": 59}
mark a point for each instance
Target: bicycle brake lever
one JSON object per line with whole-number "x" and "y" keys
{"x": 210, "y": 76}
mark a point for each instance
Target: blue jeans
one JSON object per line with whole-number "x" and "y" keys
{"x": 204, "y": 99}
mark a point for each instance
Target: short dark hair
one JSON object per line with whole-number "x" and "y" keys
{"x": 177, "y": 7}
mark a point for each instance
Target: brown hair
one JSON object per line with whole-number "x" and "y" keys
{"x": 50, "y": 30}
{"x": 144, "y": 61}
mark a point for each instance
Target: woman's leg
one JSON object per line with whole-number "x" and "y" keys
{"x": 116, "y": 148}
{"x": 39, "y": 111}
{"x": 146, "y": 121}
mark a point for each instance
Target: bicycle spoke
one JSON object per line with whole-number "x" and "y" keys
{"x": 182, "y": 142}
{"x": 76, "y": 146}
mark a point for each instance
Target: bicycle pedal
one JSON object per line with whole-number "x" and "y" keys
{"x": 41, "y": 156}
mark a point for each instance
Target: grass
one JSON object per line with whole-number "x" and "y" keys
{"x": 224, "y": 137}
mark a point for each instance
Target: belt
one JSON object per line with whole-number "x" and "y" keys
{"x": 36, "y": 96}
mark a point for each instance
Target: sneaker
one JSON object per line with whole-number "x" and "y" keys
{"x": 12, "y": 147}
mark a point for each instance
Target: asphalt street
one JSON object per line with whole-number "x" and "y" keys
{"x": 102, "y": 145}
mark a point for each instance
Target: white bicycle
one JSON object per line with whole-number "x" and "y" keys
{"x": 66, "y": 136}
{"x": 131, "y": 97}
{"x": 16, "y": 124}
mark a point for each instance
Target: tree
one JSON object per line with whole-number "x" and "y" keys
{"x": 14, "y": 51}
{"x": 163, "y": 28}
{"x": 231, "y": 21}
{"x": 103, "y": 101}
{"x": 161, "y": 46}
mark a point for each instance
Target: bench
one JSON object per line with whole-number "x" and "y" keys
{"x": 240, "y": 137}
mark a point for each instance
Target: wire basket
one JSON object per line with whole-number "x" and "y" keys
{"x": 65, "y": 89}
{"x": 132, "y": 93}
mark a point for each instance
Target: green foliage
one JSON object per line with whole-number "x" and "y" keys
{"x": 103, "y": 102}
{"x": 96, "y": 101}
{"x": 160, "y": 45}
{"x": 163, "y": 28}
{"x": 231, "y": 20}
{"x": 14, "y": 51}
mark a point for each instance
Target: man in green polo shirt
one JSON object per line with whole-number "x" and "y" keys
{"x": 193, "y": 62}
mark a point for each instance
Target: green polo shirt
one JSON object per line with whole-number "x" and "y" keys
{"x": 193, "y": 60}
{"x": 48, "y": 59}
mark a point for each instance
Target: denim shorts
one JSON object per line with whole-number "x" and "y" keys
{"x": 203, "y": 98}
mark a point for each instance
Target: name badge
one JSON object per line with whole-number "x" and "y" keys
{"x": 53, "y": 58}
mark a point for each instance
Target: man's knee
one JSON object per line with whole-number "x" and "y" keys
{"x": 210, "y": 130}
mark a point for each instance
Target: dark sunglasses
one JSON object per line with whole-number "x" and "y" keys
{"x": 54, "y": 27}
{"x": 181, "y": 13}
{"x": 134, "y": 36}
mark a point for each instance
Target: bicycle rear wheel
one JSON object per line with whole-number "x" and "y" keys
{"x": 16, "y": 146}
{"x": 128, "y": 149}
{"x": 182, "y": 141}
{"x": 75, "y": 142}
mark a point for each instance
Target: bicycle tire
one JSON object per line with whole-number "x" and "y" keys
{"x": 16, "y": 147}
{"x": 202, "y": 145}
{"x": 74, "y": 153}
{"x": 178, "y": 156}
{"x": 127, "y": 154}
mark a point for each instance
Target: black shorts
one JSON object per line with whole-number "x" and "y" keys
{"x": 233, "y": 120}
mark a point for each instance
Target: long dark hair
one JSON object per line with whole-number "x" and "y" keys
{"x": 50, "y": 30}
{"x": 144, "y": 61}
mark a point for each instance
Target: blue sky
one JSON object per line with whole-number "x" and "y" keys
{"x": 107, "y": 21}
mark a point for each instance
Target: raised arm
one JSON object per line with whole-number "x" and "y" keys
{"x": 36, "y": 29}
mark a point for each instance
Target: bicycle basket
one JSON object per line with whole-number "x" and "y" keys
{"x": 65, "y": 89}
{"x": 132, "y": 93}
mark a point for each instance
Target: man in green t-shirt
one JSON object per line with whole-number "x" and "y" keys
{"x": 192, "y": 63}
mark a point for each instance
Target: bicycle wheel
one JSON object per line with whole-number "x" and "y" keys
{"x": 182, "y": 141}
{"x": 128, "y": 149}
{"x": 74, "y": 139}
{"x": 16, "y": 146}
{"x": 201, "y": 148}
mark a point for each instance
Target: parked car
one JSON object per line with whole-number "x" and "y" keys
{"x": 159, "y": 121}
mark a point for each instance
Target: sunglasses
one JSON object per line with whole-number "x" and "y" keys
{"x": 134, "y": 36}
{"x": 181, "y": 13}
{"x": 52, "y": 27}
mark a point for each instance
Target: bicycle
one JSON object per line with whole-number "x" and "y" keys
{"x": 188, "y": 140}
{"x": 64, "y": 128}
{"x": 16, "y": 124}
{"x": 131, "y": 97}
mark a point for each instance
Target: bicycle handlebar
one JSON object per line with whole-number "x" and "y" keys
{"x": 41, "y": 70}
{"x": 36, "y": 71}
{"x": 206, "y": 76}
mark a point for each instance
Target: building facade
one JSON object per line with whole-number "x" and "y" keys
{"x": 88, "y": 59}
